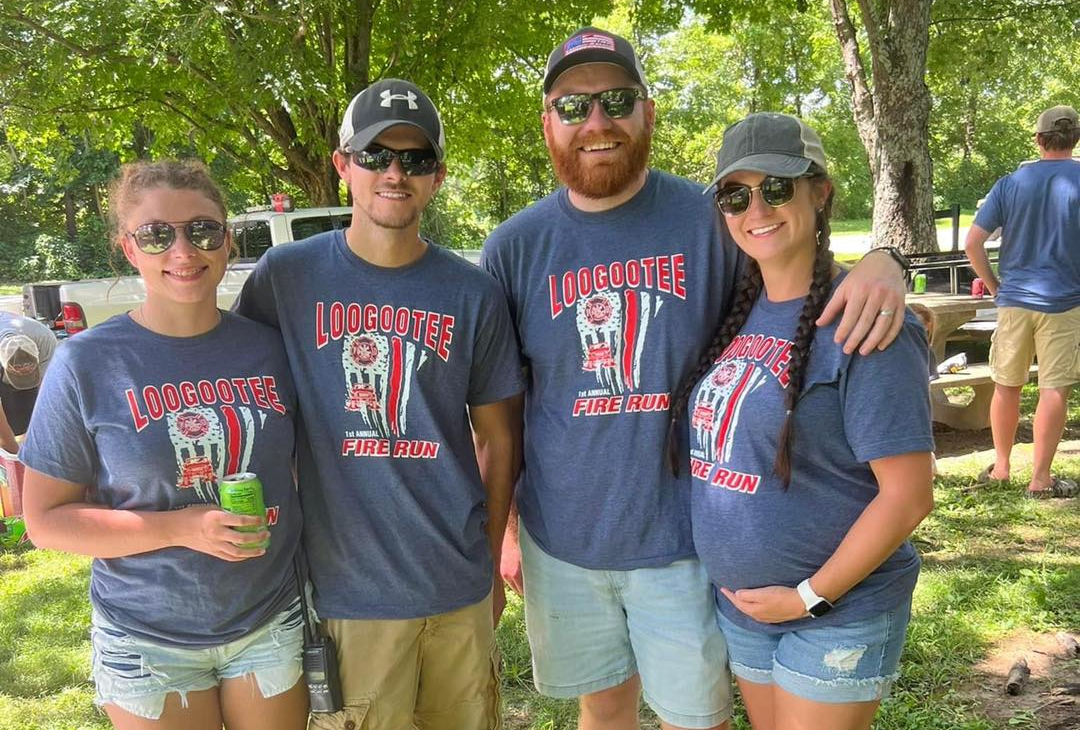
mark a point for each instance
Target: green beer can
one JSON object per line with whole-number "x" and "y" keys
{"x": 242, "y": 494}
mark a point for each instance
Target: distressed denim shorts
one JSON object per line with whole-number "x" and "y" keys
{"x": 855, "y": 662}
{"x": 136, "y": 675}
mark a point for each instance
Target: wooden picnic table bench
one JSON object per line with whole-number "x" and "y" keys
{"x": 947, "y": 313}
{"x": 971, "y": 416}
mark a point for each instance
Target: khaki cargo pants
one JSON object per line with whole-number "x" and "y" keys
{"x": 433, "y": 673}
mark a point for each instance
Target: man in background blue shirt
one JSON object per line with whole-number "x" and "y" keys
{"x": 1038, "y": 295}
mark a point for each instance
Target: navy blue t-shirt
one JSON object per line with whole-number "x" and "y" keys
{"x": 1038, "y": 210}
{"x": 611, "y": 311}
{"x": 386, "y": 362}
{"x": 151, "y": 422}
{"x": 749, "y": 532}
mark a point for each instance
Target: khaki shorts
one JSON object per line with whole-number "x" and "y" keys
{"x": 1024, "y": 335}
{"x": 433, "y": 673}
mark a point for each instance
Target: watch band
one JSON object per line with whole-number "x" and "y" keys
{"x": 896, "y": 255}
{"x": 815, "y": 605}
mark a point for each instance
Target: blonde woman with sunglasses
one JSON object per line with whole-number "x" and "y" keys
{"x": 810, "y": 467}
{"x": 195, "y": 624}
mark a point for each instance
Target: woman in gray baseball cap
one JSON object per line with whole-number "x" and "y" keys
{"x": 810, "y": 467}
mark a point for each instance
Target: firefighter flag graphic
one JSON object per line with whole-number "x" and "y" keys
{"x": 612, "y": 327}
{"x": 209, "y": 445}
{"x": 378, "y": 379}
{"x": 719, "y": 401}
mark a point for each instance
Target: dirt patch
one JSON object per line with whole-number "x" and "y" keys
{"x": 950, "y": 442}
{"x": 1044, "y": 698}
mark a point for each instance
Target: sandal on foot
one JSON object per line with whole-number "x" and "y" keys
{"x": 1059, "y": 488}
{"x": 985, "y": 480}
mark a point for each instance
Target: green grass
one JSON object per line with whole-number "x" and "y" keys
{"x": 9, "y": 289}
{"x": 994, "y": 563}
{"x": 863, "y": 225}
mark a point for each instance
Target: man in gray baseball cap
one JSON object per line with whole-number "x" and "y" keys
{"x": 1037, "y": 289}
{"x": 26, "y": 348}
{"x": 408, "y": 382}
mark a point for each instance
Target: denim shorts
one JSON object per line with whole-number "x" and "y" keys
{"x": 591, "y": 630}
{"x": 136, "y": 675}
{"x": 854, "y": 662}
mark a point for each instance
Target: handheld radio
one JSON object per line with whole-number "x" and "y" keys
{"x": 321, "y": 674}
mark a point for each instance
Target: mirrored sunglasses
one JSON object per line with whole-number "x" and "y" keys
{"x": 155, "y": 238}
{"x": 413, "y": 162}
{"x": 733, "y": 200}
{"x": 616, "y": 103}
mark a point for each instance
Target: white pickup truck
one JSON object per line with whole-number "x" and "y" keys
{"x": 81, "y": 304}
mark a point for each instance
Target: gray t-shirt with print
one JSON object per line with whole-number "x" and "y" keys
{"x": 748, "y": 530}
{"x": 611, "y": 310}
{"x": 150, "y": 422}
{"x": 387, "y": 362}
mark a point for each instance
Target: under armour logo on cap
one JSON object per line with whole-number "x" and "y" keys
{"x": 374, "y": 110}
{"x": 388, "y": 97}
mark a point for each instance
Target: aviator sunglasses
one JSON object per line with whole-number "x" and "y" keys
{"x": 733, "y": 200}
{"x": 155, "y": 238}
{"x": 378, "y": 159}
{"x": 616, "y": 103}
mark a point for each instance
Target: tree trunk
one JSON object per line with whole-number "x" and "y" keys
{"x": 970, "y": 120}
{"x": 69, "y": 215}
{"x": 142, "y": 138}
{"x": 321, "y": 186}
{"x": 94, "y": 197}
{"x": 894, "y": 117}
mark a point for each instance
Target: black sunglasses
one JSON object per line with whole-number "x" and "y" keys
{"x": 155, "y": 238}
{"x": 413, "y": 162}
{"x": 616, "y": 103}
{"x": 733, "y": 200}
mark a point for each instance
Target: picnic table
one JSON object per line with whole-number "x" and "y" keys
{"x": 948, "y": 312}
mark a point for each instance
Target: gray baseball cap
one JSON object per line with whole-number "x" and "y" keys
{"x": 1049, "y": 119}
{"x": 592, "y": 45}
{"x": 770, "y": 143}
{"x": 19, "y": 360}
{"x": 388, "y": 103}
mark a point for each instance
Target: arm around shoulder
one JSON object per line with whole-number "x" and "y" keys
{"x": 871, "y": 298}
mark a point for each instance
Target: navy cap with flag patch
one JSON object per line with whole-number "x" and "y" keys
{"x": 388, "y": 103}
{"x": 592, "y": 45}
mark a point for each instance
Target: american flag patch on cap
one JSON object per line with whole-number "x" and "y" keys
{"x": 588, "y": 40}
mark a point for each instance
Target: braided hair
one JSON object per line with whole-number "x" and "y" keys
{"x": 747, "y": 291}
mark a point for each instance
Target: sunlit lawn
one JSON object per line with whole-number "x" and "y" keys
{"x": 863, "y": 225}
{"x": 994, "y": 562}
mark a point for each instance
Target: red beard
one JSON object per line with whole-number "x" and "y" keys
{"x": 603, "y": 179}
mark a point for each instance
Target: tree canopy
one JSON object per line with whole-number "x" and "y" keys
{"x": 257, "y": 87}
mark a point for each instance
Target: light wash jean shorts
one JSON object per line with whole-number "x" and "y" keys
{"x": 591, "y": 630}
{"x": 855, "y": 662}
{"x": 136, "y": 675}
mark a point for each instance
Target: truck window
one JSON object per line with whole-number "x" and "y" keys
{"x": 252, "y": 239}
{"x": 304, "y": 227}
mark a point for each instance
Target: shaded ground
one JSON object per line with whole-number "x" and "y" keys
{"x": 951, "y": 442}
{"x": 1047, "y": 700}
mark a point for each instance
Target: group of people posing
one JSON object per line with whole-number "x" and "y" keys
{"x": 720, "y": 440}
